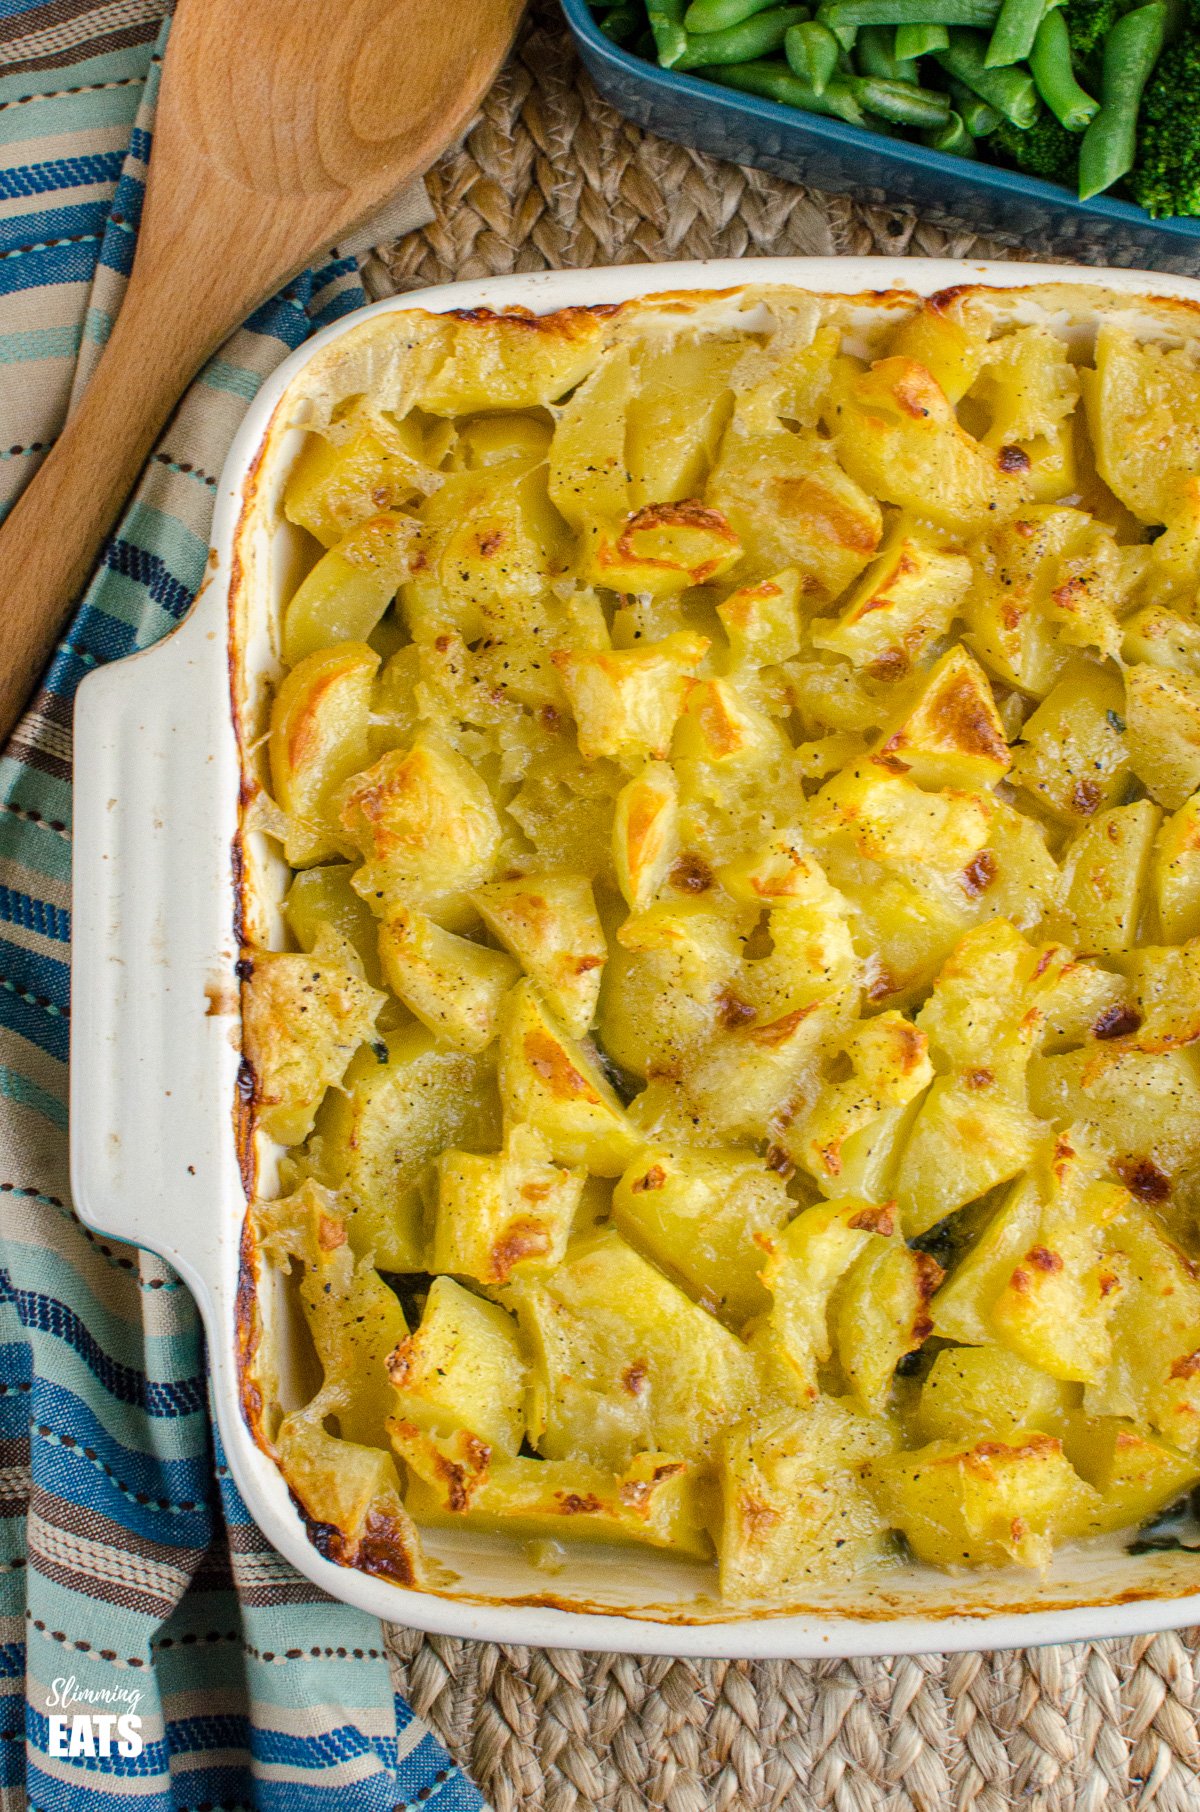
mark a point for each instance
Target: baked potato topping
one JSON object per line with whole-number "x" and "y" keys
{"x": 737, "y": 1047}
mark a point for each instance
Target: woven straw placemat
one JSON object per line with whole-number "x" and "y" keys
{"x": 551, "y": 176}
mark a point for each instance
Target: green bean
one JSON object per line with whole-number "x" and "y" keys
{"x": 1016, "y": 28}
{"x": 838, "y": 13}
{"x": 953, "y": 138}
{"x": 775, "y": 82}
{"x": 1010, "y": 91}
{"x": 620, "y": 23}
{"x": 902, "y": 102}
{"x": 1131, "y": 50}
{"x": 978, "y": 118}
{"x": 845, "y": 34}
{"x": 719, "y": 15}
{"x": 666, "y": 22}
{"x": 744, "y": 43}
{"x": 913, "y": 41}
{"x": 812, "y": 52}
{"x": 876, "y": 56}
{"x": 1050, "y": 61}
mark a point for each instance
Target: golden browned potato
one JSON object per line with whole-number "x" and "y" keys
{"x": 904, "y": 602}
{"x": 513, "y": 360}
{"x": 985, "y": 1503}
{"x": 898, "y": 436}
{"x": 1145, "y": 427}
{"x": 504, "y": 1215}
{"x": 951, "y": 734}
{"x": 705, "y": 1217}
{"x": 318, "y": 739}
{"x": 789, "y": 500}
{"x": 426, "y": 826}
{"x": 796, "y": 1509}
{"x": 550, "y": 924}
{"x": 747, "y": 997}
{"x": 548, "y": 1079}
{"x": 303, "y": 1018}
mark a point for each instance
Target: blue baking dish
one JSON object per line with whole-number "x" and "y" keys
{"x": 826, "y": 154}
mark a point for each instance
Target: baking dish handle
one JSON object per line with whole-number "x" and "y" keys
{"x": 154, "y": 997}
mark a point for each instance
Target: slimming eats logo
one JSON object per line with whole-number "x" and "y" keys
{"x": 113, "y": 1729}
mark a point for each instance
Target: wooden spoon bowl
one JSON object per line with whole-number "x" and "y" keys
{"x": 281, "y": 125}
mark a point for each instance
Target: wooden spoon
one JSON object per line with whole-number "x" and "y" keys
{"x": 281, "y": 124}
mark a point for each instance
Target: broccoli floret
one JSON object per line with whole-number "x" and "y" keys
{"x": 1044, "y": 149}
{"x": 1166, "y": 177}
{"x": 1089, "y": 23}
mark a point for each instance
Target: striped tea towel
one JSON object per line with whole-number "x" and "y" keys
{"x": 154, "y": 1650}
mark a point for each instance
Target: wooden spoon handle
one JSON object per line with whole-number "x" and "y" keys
{"x": 55, "y": 531}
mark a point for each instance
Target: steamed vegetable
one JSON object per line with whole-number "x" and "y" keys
{"x": 1098, "y": 94}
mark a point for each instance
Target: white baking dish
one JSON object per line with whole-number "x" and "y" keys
{"x": 155, "y": 1060}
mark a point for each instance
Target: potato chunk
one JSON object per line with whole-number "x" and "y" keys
{"x": 402, "y": 1104}
{"x": 682, "y": 400}
{"x": 548, "y": 1079}
{"x": 881, "y": 1314}
{"x": 1057, "y": 1304}
{"x": 346, "y": 593}
{"x": 351, "y": 1497}
{"x": 1145, "y": 425}
{"x": 303, "y": 1018}
{"x": 646, "y": 833}
{"x": 795, "y": 1506}
{"x": 673, "y": 977}
{"x": 364, "y": 462}
{"x": 889, "y": 1062}
{"x": 979, "y": 1006}
{"x": 318, "y": 739}
{"x": 786, "y": 495}
{"x": 550, "y": 924}
{"x": 513, "y": 360}
{"x": 461, "y": 1368}
{"x": 1106, "y": 872}
{"x": 354, "y": 1319}
{"x": 624, "y": 1361}
{"x": 1162, "y": 711}
{"x": 705, "y": 1217}
{"x": 1144, "y": 1106}
{"x": 1175, "y": 872}
{"x": 888, "y": 818}
{"x": 459, "y": 1482}
{"x": 898, "y": 436}
{"x": 805, "y": 1264}
{"x": 660, "y": 550}
{"x": 762, "y": 621}
{"x": 951, "y": 734}
{"x": 904, "y": 601}
{"x": 506, "y": 1214}
{"x": 968, "y": 1137}
{"x": 626, "y": 702}
{"x": 1135, "y": 1475}
{"x": 1028, "y": 386}
{"x": 588, "y": 479}
{"x": 971, "y": 1390}
{"x": 981, "y": 1504}
{"x": 322, "y": 909}
{"x": 1074, "y": 753}
{"x": 425, "y": 824}
{"x": 1153, "y": 1375}
{"x": 747, "y": 1083}
{"x": 492, "y": 547}
{"x": 1040, "y": 1278}
{"x": 454, "y": 986}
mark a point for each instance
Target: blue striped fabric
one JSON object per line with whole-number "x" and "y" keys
{"x": 132, "y": 1579}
